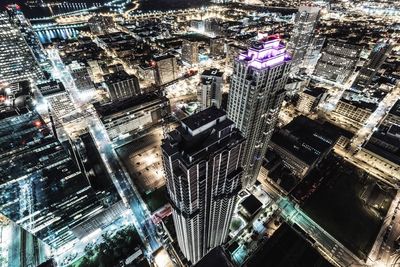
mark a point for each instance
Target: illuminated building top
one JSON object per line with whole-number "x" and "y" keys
{"x": 262, "y": 55}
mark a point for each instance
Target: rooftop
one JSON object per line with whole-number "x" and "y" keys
{"x": 118, "y": 76}
{"x": 265, "y": 54}
{"x": 385, "y": 142}
{"x": 251, "y": 204}
{"x": 305, "y": 139}
{"x": 110, "y": 108}
{"x": 213, "y": 72}
{"x": 395, "y": 110}
{"x": 201, "y": 135}
{"x": 203, "y": 119}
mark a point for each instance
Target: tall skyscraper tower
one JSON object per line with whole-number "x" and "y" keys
{"x": 303, "y": 32}
{"x": 255, "y": 98}
{"x": 202, "y": 163}
{"x": 17, "y": 62}
{"x": 209, "y": 92}
{"x": 190, "y": 52}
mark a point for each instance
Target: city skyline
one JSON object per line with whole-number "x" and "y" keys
{"x": 199, "y": 133}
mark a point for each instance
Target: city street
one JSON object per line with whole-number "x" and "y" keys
{"x": 119, "y": 176}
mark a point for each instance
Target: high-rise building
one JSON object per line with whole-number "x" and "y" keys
{"x": 210, "y": 91}
{"x": 302, "y": 35}
{"x": 121, "y": 85}
{"x": 24, "y": 25}
{"x": 17, "y": 62}
{"x": 338, "y": 61}
{"x": 255, "y": 97}
{"x": 43, "y": 189}
{"x": 217, "y": 47}
{"x": 190, "y": 52}
{"x": 202, "y": 164}
{"x": 375, "y": 60}
{"x": 166, "y": 69}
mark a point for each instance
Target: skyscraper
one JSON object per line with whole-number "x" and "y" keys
{"x": 17, "y": 62}
{"x": 202, "y": 163}
{"x": 210, "y": 90}
{"x": 121, "y": 85}
{"x": 190, "y": 52}
{"x": 43, "y": 188}
{"x": 255, "y": 98}
{"x": 166, "y": 69}
{"x": 302, "y": 35}
{"x": 375, "y": 60}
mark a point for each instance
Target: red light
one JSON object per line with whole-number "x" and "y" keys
{"x": 2, "y": 98}
{"x": 37, "y": 123}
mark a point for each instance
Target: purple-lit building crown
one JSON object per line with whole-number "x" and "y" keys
{"x": 266, "y": 54}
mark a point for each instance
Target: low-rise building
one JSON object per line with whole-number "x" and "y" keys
{"x": 355, "y": 107}
{"x": 382, "y": 151}
{"x": 302, "y": 144}
{"x": 393, "y": 116}
{"x": 58, "y": 98}
{"x": 81, "y": 76}
{"x": 132, "y": 115}
{"x": 309, "y": 99}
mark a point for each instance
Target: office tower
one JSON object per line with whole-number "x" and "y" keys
{"x": 17, "y": 62}
{"x": 190, "y": 52}
{"x": 255, "y": 97}
{"x": 81, "y": 76}
{"x": 302, "y": 35}
{"x": 338, "y": 61}
{"x": 24, "y": 25}
{"x": 210, "y": 89}
{"x": 43, "y": 189}
{"x": 166, "y": 69}
{"x": 121, "y": 85}
{"x": 217, "y": 47}
{"x": 202, "y": 164}
{"x": 375, "y": 60}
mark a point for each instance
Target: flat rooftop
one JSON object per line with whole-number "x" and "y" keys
{"x": 203, "y": 118}
{"x": 304, "y": 138}
{"x": 110, "y": 108}
{"x": 395, "y": 110}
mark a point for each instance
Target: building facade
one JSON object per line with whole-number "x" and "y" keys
{"x": 121, "y": 85}
{"x": 256, "y": 94}
{"x": 17, "y": 61}
{"x": 131, "y": 115}
{"x": 302, "y": 35}
{"x": 166, "y": 69}
{"x": 338, "y": 61}
{"x": 217, "y": 47}
{"x": 190, "y": 52}
{"x": 81, "y": 76}
{"x": 202, "y": 164}
{"x": 210, "y": 89}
